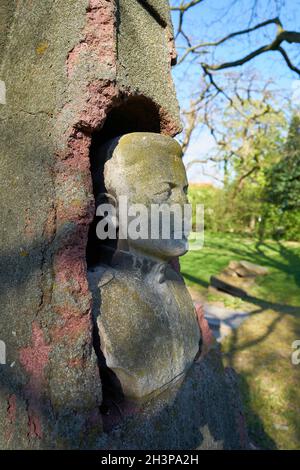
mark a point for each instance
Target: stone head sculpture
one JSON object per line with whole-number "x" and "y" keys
{"x": 147, "y": 325}
{"x": 147, "y": 170}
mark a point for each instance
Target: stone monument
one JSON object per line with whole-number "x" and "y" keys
{"x": 75, "y": 74}
{"x": 147, "y": 323}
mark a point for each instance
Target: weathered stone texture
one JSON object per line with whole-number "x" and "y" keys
{"x": 147, "y": 343}
{"x": 148, "y": 72}
{"x": 65, "y": 68}
{"x": 45, "y": 302}
{"x": 203, "y": 412}
{"x": 6, "y": 16}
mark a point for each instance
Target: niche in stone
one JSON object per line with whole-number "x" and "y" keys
{"x": 135, "y": 114}
{"x": 145, "y": 327}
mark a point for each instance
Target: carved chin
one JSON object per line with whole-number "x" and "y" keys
{"x": 179, "y": 247}
{"x": 164, "y": 249}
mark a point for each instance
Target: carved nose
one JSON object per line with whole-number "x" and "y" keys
{"x": 179, "y": 197}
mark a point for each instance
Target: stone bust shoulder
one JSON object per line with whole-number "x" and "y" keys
{"x": 145, "y": 317}
{"x": 147, "y": 325}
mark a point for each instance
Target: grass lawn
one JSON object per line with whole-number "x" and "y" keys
{"x": 260, "y": 349}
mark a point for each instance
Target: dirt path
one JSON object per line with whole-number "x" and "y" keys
{"x": 222, "y": 320}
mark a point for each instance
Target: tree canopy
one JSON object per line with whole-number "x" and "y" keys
{"x": 283, "y": 178}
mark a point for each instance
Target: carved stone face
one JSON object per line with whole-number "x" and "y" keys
{"x": 147, "y": 168}
{"x": 146, "y": 319}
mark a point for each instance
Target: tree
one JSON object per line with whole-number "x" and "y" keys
{"x": 250, "y": 139}
{"x": 276, "y": 44}
{"x": 283, "y": 178}
{"x": 221, "y": 83}
{"x": 248, "y": 133}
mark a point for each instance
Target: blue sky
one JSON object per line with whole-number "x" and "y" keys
{"x": 214, "y": 19}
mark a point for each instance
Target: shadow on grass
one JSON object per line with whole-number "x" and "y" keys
{"x": 256, "y": 430}
{"x": 255, "y": 254}
{"x": 280, "y": 257}
{"x": 194, "y": 279}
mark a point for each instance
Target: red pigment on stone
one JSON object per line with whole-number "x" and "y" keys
{"x": 70, "y": 268}
{"x": 12, "y": 408}
{"x": 171, "y": 46}
{"x": 99, "y": 36}
{"x": 72, "y": 327}
{"x": 70, "y": 261}
{"x": 11, "y": 416}
{"x": 167, "y": 124}
{"x": 34, "y": 424}
{"x": 34, "y": 360}
{"x": 103, "y": 96}
{"x": 28, "y": 228}
{"x": 207, "y": 336}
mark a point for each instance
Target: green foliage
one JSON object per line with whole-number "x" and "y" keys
{"x": 283, "y": 178}
{"x": 244, "y": 212}
{"x": 261, "y": 192}
{"x": 254, "y": 139}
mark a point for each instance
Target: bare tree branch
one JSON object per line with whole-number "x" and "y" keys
{"x": 286, "y": 58}
{"x": 186, "y": 6}
{"x": 242, "y": 178}
{"x": 275, "y": 45}
{"x": 190, "y": 126}
{"x": 195, "y": 48}
{"x": 234, "y": 145}
{"x": 292, "y": 37}
{"x": 237, "y": 132}
{"x": 182, "y": 9}
{"x": 203, "y": 161}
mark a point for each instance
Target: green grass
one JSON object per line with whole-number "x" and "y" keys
{"x": 260, "y": 349}
{"x": 282, "y": 259}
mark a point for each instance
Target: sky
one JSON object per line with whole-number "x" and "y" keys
{"x": 214, "y": 19}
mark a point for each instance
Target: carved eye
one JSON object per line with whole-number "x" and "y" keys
{"x": 165, "y": 192}
{"x": 185, "y": 189}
